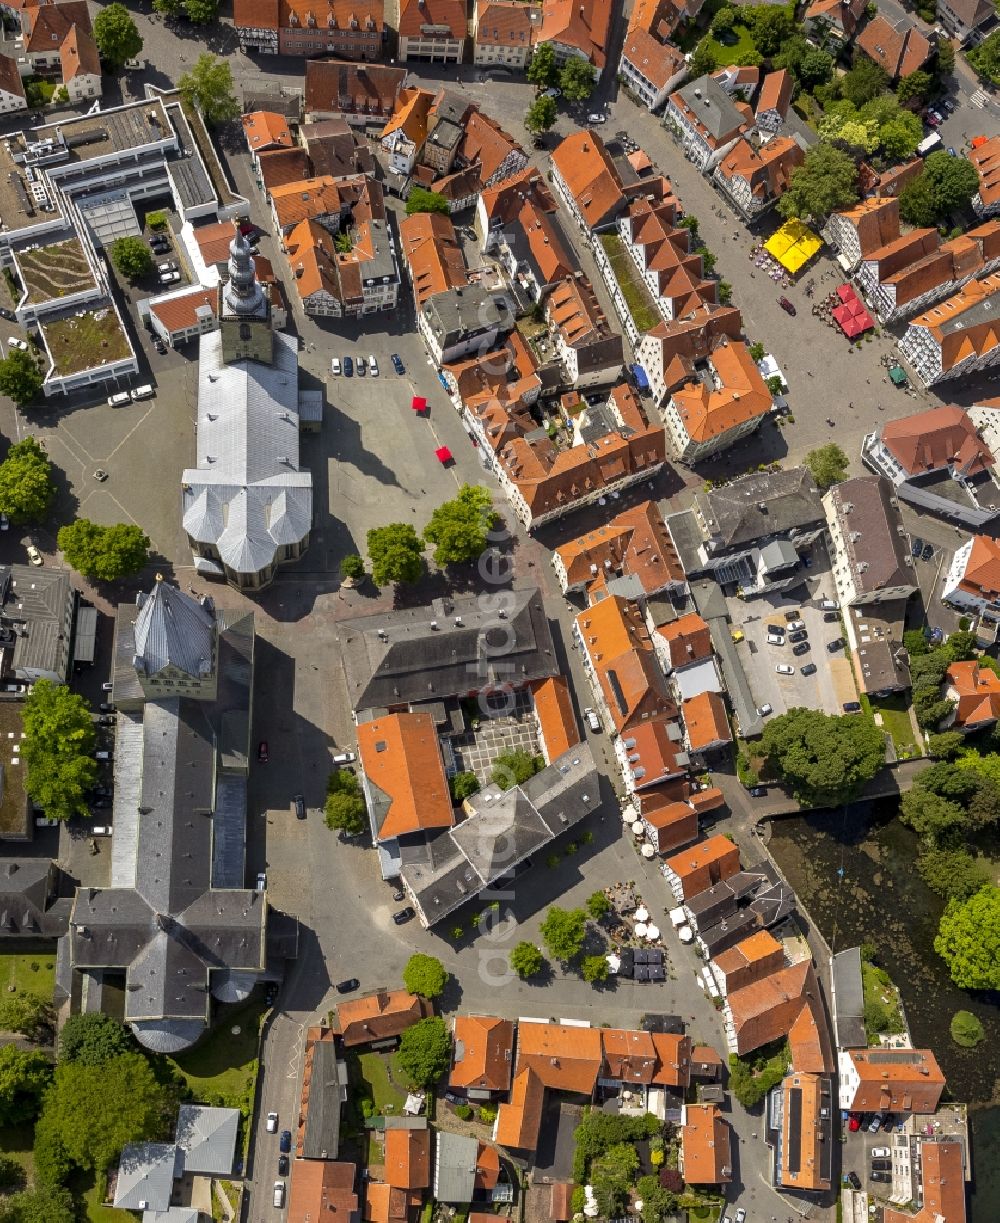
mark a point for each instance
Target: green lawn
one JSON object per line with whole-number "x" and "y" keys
{"x": 222, "y": 1063}
{"x": 372, "y": 1070}
{"x": 79, "y": 343}
{"x": 33, "y": 972}
{"x": 16, "y": 1142}
{"x": 637, "y": 298}
{"x": 881, "y": 998}
{"x": 97, "y": 1212}
{"x": 727, "y": 53}
{"x": 896, "y": 720}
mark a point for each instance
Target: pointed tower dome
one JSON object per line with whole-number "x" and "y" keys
{"x": 174, "y": 630}
{"x": 244, "y": 294}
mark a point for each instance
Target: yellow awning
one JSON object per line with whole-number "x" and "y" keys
{"x": 793, "y": 245}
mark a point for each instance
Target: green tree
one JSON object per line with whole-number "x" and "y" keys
{"x": 986, "y": 58}
{"x": 463, "y": 785}
{"x": 58, "y": 750}
{"x": 864, "y": 81}
{"x": 961, "y": 646}
{"x": 917, "y": 87}
{"x": 826, "y": 180}
{"x": 930, "y": 709}
{"x": 133, "y": 1107}
{"x": 515, "y": 767}
{"x": 968, "y": 940}
{"x": 723, "y": 21}
{"x": 425, "y": 1051}
{"x": 954, "y": 181}
{"x": 815, "y": 68}
{"x": 395, "y": 553}
{"x": 757, "y": 351}
{"x": 946, "y": 745}
{"x": 208, "y": 88}
{"x": 658, "y": 1204}
{"x": 132, "y": 257}
{"x": 353, "y": 567}
{"x": 541, "y": 114}
{"x": 915, "y": 643}
{"x": 39, "y": 1205}
{"x": 828, "y": 465}
{"x": 116, "y": 35}
{"x": 944, "y": 58}
{"x": 825, "y": 761}
{"x": 563, "y": 932}
{"x": 725, "y": 291}
{"x": 93, "y": 1039}
{"x": 424, "y": 975}
{"x": 11, "y": 1173}
{"x": 594, "y": 968}
{"x": 702, "y": 59}
{"x": 344, "y": 809}
{"x": 24, "y": 1076}
{"x": 25, "y": 1013}
{"x": 928, "y": 671}
{"x": 526, "y": 960}
{"x": 20, "y": 377}
{"x": 929, "y": 814}
{"x": 201, "y": 12}
{"x": 769, "y": 25}
{"x": 422, "y": 200}
{"x": 577, "y": 78}
{"x": 917, "y": 205}
{"x": 459, "y": 528}
{"x": 105, "y": 553}
{"x": 26, "y": 488}
{"x": 598, "y": 906}
{"x": 966, "y": 1030}
{"x": 952, "y": 873}
{"x": 543, "y": 70}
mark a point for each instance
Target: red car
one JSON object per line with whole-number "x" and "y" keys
{"x": 786, "y": 305}
{"x": 854, "y": 1123}
{"x": 262, "y": 751}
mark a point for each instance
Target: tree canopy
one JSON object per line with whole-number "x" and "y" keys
{"x": 968, "y": 939}
{"x": 24, "y": 1076}
{"x": 353, "y": 567}
{"x": 826, "y": 180}
{"x": 106, "y": 553}
{"x": 864, "y": 81}
{"x": 92, "y": 1112}
{"x": 116, "y": 35}
{"x": 967, "y": 1030}
{"x": 422, "y": 200}
{"x": 39, "y": 1205}
{"x": 20, "y": 377}
{"x": 880, "y": 126}
{"x": 594, "y": 968}
{"x": 425, "y": 975}
{"x": 396, "y": 554}
{"x": 577, "y": 78}
{"x": 945, "y": 184}
{"x": 26, "y": 488}
{"x": 541, "y": 114}
{"x": 460, "y": 528}
{"x": 345, "y": 809}
{"x": 25, "y": 1013}
{"x": 543, "y": 70}
{"x": 425, "y": 1051}
{"x": 986, "y": 57}
{"x": 919, "y": 86}
{"x": 132, "y": 257}
{"x": 94, "y": 1038}
{"x": 563, "y": 932}
{"x": 58, "y": 750}
{"x": 515, "y": 767}
{"x": 208, "y": 87}
{"x": 824, "y": 760}
{"x": 598, "y": 905}
{"x": 526, "y": 959}
{"x": 828, "y": 465}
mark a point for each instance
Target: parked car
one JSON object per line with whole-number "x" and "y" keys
{"x": 881, "y": 1165}
{"x": 741, "y": 1215}
{"x": 262, "y": 751}
{"x": 836, "y": 644}
{"x": 595, "y": 118}
{"x": 854, "y": 1180}
{"x": 282, "y": 1165}
{"x": 876, "y": 1122}
{"x": 373, "y": 366}
{"x": 106, "y": 719}
{"x": 348, "y": 367}
{"x": 342, "y": 758}
{"x": 786, "y": 305}
{"x": 949, "y": 105}
{"x": 348, "y": 986}
{"x": 809, "y": 669}
{"x": 854, "y": 1122}
{"x": 119, "y": 400}
{"x": 107, "y": 686}
{"x": 881, "y": 1152}
{"x": 14, "y": 342}
{"x": 271, "y": 1125}
{"x": 334, "y": 365}
{"x": 765, "y": 710}
{"x": 104, "y": 707}
{"x": 34, "y": 555}
{"x": 398, "y": 894}
{"x": 831, "y": 617}
{"x": 279, "y": 1194}
{"x": 362, "y": 367}
{"x": 935, "y": 118}
{"x": 801, "y": 648}
{"x": 792, "y": 614}
{"x": 142, "y": 392}
{"x": 593, "y": 721}
{"x": 882, "y": 1178}
{"x": 300, "y": 807}
{"x": 926, "y": 552}
{"x": 796, "y": 626}
{"x": 855, "y": 707}
{"x": 800, "y": 634}
{"x": 285, "y": 1142}
{"x": 159, "y": 345}
{"x": 261, "y": 884}
{"x": 397, "y": 363}
{"x": 552, "y": 93}
{"x": 403, "y": 916}
{"x": 775, "y": 638}
{"x": 829, "y": 604}
{"x": 784, "y": 669}
{"x": 758, "y": 791}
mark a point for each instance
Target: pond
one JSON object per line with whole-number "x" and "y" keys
{"x": 855, "y": 872}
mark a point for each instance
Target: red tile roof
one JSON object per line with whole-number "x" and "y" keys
{"x": 433, "y": 254}
{"x": 776, "y": 93}
{"x": 78, "y": 54}
{"x": 179, "y": 313}
{"x": 586, "y": 168}
{"x": 807, "y": 1140}
{"x": 379, "y": 1016}
{"x": 737, "y": 394}
{"x": 898, "y": 48}
{"x": 483, "y": 1053}
{"x": 264, "y": 129}
{"x": 986, "y": 159}
{"x": 703, "y": 865}
{"x": 415, "y": 14}
{"x": 636, "y": 543}
{"x": 335, "y": 85}
{"x": 45, "y": 26}
{"x": 10, "y": 78}
{"x": 281, "y": 166}
{"x": 505, "y": 23}
{"x": 785, "y": 1003}
{"x": 584, "y": 26}
{"x": 755, "y": 957}
{"x": 977, "y": 337}
{"x": 556, "y": 719}
{"x": 942, "y": 1181}
{"x": 896, "y": 1080}
{"x": 659, "y": 62}
{"x": 705, "y": 1146}
{"x": 688, "y": 639}
{"x": 322, "y": 1189}
{"x": 400, "y": 755}
{"x": 674, "y": 823}
{"x": 407, "y": 1158}
{"x": 938, "y": 438}
{"x": 706, "y": 721}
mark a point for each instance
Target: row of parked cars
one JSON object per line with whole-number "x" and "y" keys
{"x": 364, "y": 365}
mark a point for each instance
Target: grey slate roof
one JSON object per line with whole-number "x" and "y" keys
{"x": 847, "y": 999}
{"x": 468, "y": 311}
{"x": 877, "y": 551}
{"x": 39, "y": 601}
{"x": 712, "y": 106}
{"x": 760, "y": 505}
{"x": 146, "y": 1173}
{"x": 174, "y": 630}
{"x": 247, "y": 496}
{"x": 206, "y": 1138}
{"x": 411, "y": 661}
{"x": 454, "y": 1167}
{"x": 327, "y": 1091}
{"x": 26, "y": 907}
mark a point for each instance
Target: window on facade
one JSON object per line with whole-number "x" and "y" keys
{"x": 245, "y": 332}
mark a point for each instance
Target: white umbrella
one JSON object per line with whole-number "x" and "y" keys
{"x": 642, "y": 913}
{"x": 637, "y": 828}
{"x": 648, "y": 851}
{"x": 640, "y": 930}
{"x": 614, "y": 963}
{"x": 677, "y": 917}
{"x": 653, "y": 932}
{"x": 684, "y": 934}
{"x": 628, "y": 815}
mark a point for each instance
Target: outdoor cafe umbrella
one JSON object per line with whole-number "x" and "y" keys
{"x": 642, "y": 913}
{"x": 637, "y": 828}
{"x": 640, "y": 930}
{"x": 647, "y": 851}
{"x": 653, "y": 933}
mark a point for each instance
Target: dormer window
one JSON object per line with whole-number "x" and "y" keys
{"x": 311, "y": 19}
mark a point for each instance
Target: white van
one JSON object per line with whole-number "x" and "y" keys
{"x": 279, "y": 1194}
{"x": 119, "y": 400}
{"x": 101, "y": 830}
{"x": 169, "y": 278}
{"x": 142, "y": 392}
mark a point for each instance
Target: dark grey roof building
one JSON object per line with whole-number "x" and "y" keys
{"x": 454, "y": 647}
{"x": 176, "y": 919}
{"x": 29, "y": 905}
{"x": 37, "y": 610}
{"x": 462, "y": 320}
{"x": 759, "y": 506}
{"x": 324, "y": 1093}
{"x": 870, "y": 550}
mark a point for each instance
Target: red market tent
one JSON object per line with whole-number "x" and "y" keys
{"x": 846, "y": 293}
{"x": 418, "y": 403}
{"x": 443, "y": 454}
{"x": 852, "y": 317}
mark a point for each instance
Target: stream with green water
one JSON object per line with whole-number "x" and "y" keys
{"x": 879, "y": 898}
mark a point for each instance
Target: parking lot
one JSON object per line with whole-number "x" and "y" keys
{"x": 858, "y": 1150}
{"x": 832, "y": 683}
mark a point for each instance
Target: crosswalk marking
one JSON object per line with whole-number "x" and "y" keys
{"x": 979, "y": 99}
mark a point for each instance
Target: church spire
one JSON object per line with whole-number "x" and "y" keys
{"x": 244, "y": 293}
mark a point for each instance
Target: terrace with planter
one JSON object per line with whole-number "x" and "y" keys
{"x": 85, "y": 341}
{"x": 50, "y": 273}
